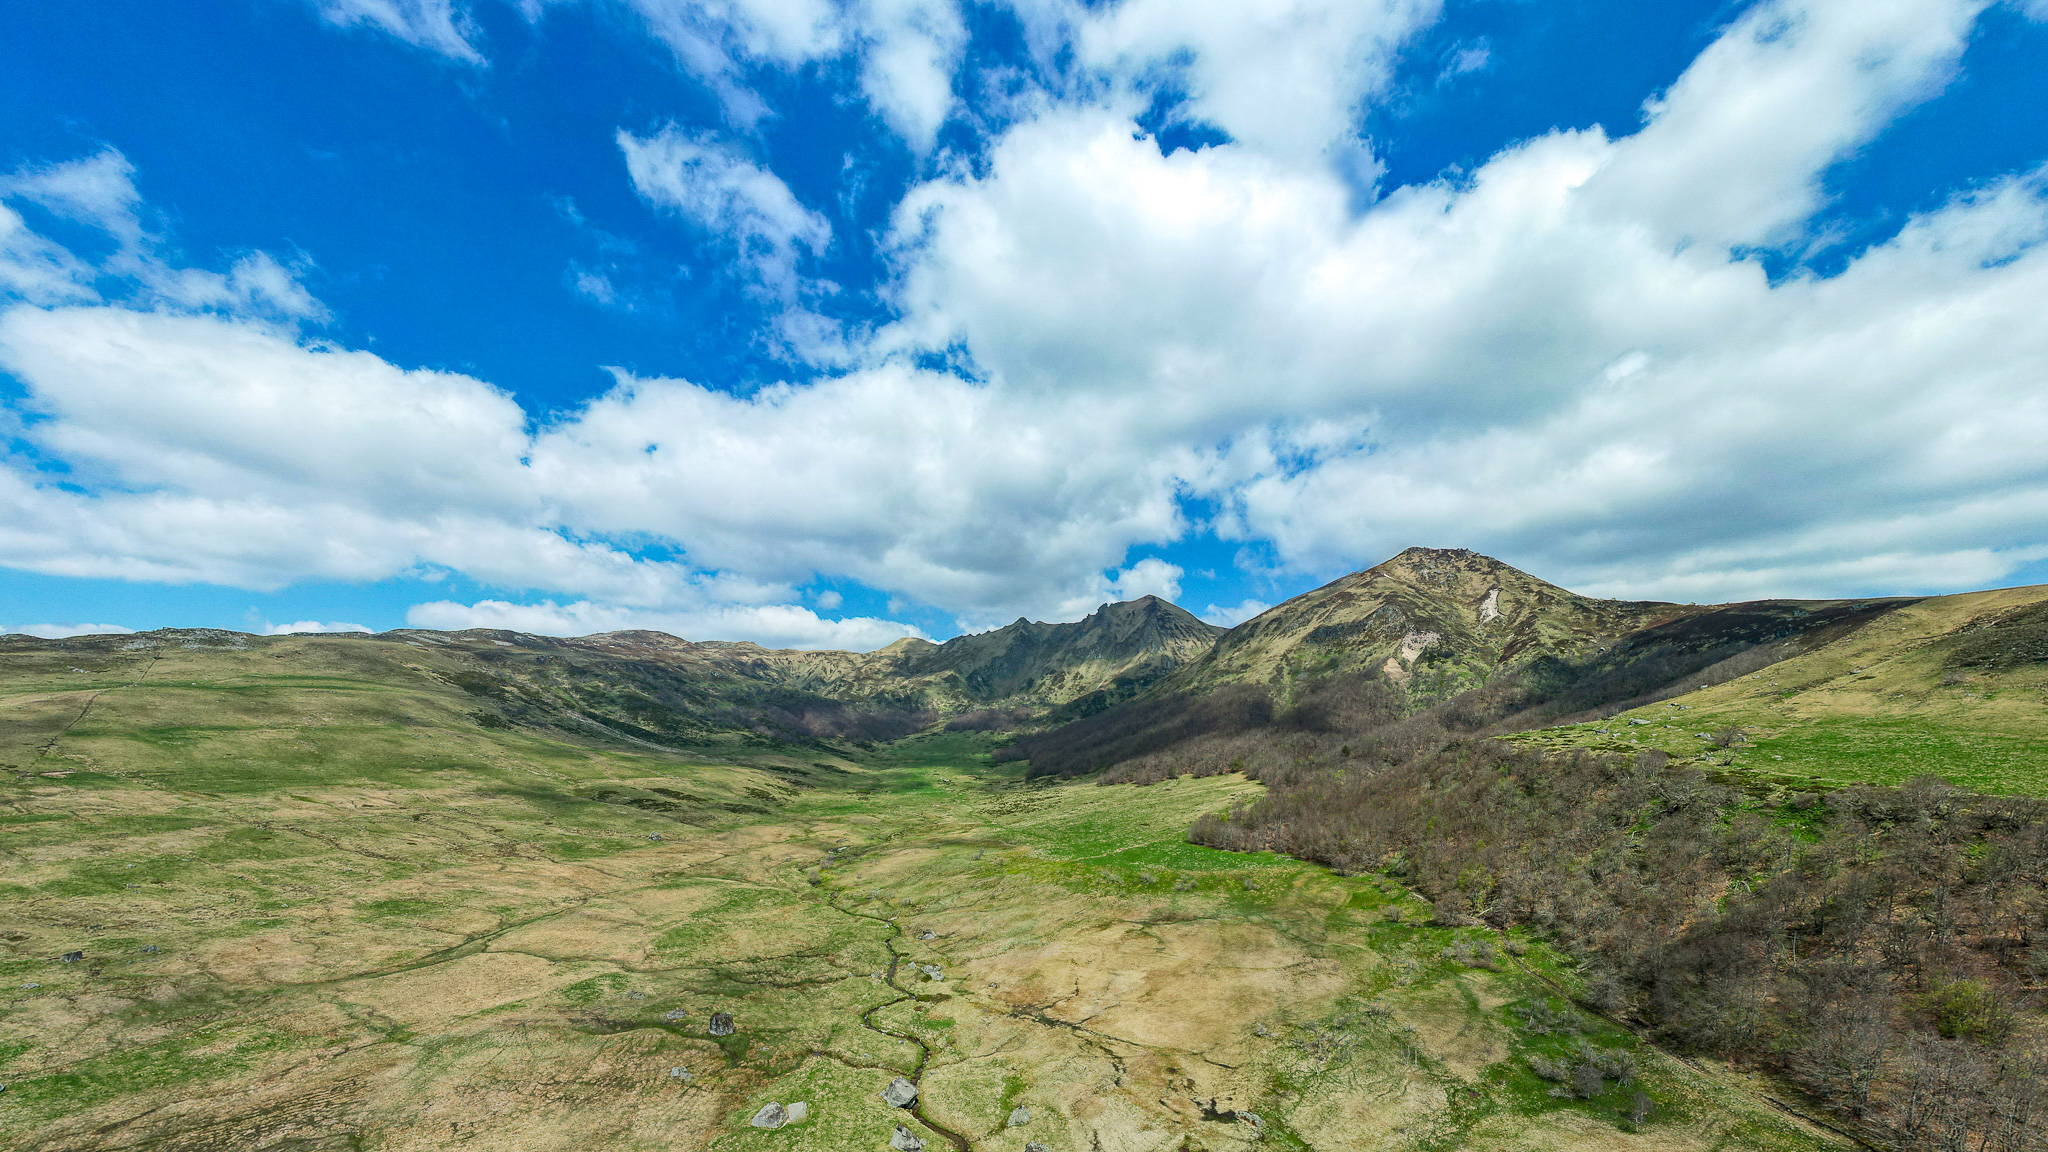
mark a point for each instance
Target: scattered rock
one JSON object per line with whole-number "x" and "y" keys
{"x": 1251, "y": 1118}
{"x": 72, "y": 957}
{"x": 931, "y": 971}
{"x": 1035, "y": 1146}
{"x": 721, "y": 1023}
{"x": 636, "y": 995}
{"x": 900, "y": 1093}
{"x": 770, "y": 1116}
{"x": 683, "y": 1074}
{"x": 675, "y": 1014}
{"x": 151, "y": 948}
{"x": 798, "y": 1112}
{"x": 905, "y": 1140}
{"x": 927, "y": 934}
{"x": 654, "y": 835}
{"x": 1021, "y": 1116}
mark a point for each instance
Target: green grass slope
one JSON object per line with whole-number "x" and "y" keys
{"x": 1953, "y": 686}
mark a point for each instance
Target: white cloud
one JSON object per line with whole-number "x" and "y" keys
{"x": 99, "y": 192}
{"x": 442, "y": 26}
{"x": 1231, "y": 617}
{"x": 1287, "y": 77}
{"x": 1148, "y": 577}
{"x": 60, "y": 631}
{"x": 912, "y": 49}
{"x": 305, "y": 627}
{"x": 771, "y": 625}
{"x": 715, "y": 186}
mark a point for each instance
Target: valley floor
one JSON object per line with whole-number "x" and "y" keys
{"x": 446, "y": 964}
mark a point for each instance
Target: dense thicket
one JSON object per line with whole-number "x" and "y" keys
{"x": 1879, "y": 946}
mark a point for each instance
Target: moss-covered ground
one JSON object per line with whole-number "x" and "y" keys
{"x": 317, "y": 905}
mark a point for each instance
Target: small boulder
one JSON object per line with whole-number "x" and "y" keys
{"x": 675, "y": 1014}
{"x": 1035, "y": 1146}
{"x": 927, "y": 934}
{"x": 905, "y": 1140}
{"x": 72, "y": 957}
{"x": 931, "y": 971}
{"x": 798, "y": 1112}
{"x": 900, "y": 1093}
{"x": 721, "y": 1024}
{"x": 1020, "y": 1116}
{"x": 770, "y": 1116}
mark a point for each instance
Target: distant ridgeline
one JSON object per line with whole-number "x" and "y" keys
{"x": 1444, "y": 631}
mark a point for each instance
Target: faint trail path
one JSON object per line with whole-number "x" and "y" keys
{"x": 94, "y": 699}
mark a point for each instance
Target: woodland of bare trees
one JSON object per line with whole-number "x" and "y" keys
{"x": 1881, "y": 947}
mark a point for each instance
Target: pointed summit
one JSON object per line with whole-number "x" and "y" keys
{"x": 1434, "y": 620}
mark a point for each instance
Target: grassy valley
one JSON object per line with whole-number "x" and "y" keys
{"x": 1440, "y": 856}
{"x": 315, "y": 899}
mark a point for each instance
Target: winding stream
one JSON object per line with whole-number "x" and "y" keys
{"x": 924, "y": 1052}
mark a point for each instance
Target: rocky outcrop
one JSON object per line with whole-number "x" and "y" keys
{"x": 900, "y": 1093}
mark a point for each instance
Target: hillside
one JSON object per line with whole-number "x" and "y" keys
{"x": 1952, "y": 686}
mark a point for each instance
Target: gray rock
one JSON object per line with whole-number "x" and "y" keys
{"x": 675, "y": 1014}
{"x": 1035, "y": 1146}
{"x": 900, "y": 1093}
{"x": 683, "y": 1074}
{"x": 770, "y": 1116}
{"x": 721, "y": 1023}
{"x": 1020, "y": 1116}
{"x": 905, "y": 1140}
{"x": 72, "y": 957}
{"x": 931, "y": 971}
{"x": 798, "y": 1112}
{"x": 927, "y": 934}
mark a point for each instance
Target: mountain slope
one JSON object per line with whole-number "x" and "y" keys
{"x": 1955, "y": 686}
{"x": 1434, "y": 620}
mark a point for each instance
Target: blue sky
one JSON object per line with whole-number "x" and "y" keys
{"x": 817, "y": 323}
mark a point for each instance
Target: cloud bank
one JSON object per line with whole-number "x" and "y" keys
{"x": 1572, "y": 355}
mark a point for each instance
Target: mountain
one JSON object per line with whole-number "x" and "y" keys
{"x": 1435, "y": 621}
{"x": 651, "y": 688}
{"x": 1113, "y": 654}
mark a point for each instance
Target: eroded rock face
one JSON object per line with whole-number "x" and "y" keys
{"x": 770, "y": 1116}
{"x": 721, "y": 1023}
{"x": 905, "y": 1140}
{"x": 900, "y": 1093}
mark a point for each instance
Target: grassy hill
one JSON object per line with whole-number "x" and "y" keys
{"x": 320, "y": 900}
{"x": 1951, "y": 686}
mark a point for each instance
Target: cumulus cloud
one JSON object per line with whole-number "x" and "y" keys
{"x": 772, "y": 626}
{"x": 311, "y": 627}
{"x": 60, "y": 631}
{"x": 1233, "y": 615}
{"x": 911, "y": 49}
{"x": 441, "y": 26}
{"x": 1287, "y": 77}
